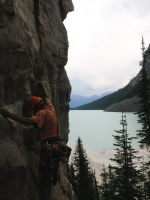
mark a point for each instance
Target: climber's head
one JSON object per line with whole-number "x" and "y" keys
{"x": 35, "y": 102}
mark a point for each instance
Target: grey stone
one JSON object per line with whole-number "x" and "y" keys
{"x": 33, "y": 55}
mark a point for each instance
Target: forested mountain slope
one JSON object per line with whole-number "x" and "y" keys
{"x": 125, "y": 99}
{"x": 77, "y": 100}
{"x": 127, "y": 92}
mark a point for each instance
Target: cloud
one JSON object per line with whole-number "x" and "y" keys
{"x": 138, "y": 7}
{"x": 89, "y": 87}
{"x": 105, "y": 42}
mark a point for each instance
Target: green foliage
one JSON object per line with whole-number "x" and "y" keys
{"x": 81, "y": 175}
{"x": 122, "y": 94}
{"x": 144, "y": 103}
{"x": 147, "y": 184}
{"x": 72, "y": 176}
{"x": 95, "y": 186}
{"x": 144, "y": 117}
{"x": 104, "y": 187}
{"x": 124, "y": 180}
{"x": 145, "y": 189}
{"x": 107, "y": 187}
{"x": 127, "y": 176}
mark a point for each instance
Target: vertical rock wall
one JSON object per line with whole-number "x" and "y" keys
{"x": 33, "y": 53}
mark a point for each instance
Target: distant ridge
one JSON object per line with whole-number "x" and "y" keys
{"x": 125, "y": 99}
{"x": 127, "y": 92}
{"x": 77, "y": 100}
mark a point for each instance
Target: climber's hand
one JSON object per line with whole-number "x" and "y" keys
{"x": 4, "y": 112}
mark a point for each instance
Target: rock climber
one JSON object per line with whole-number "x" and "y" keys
{"x": 45, "y": 118}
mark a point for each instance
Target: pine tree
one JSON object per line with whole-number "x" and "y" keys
{"x": 144, "y": 116}
{"x": 145, "y": 180}
{"x": 144, "y": 102}
{"x": 112, "y": 183}
{"x": 104, "y": 185}
{"x": 108, "y": 185}
{"x": 72, "y": 176}
{"x": 127, "y": 176}
{"x": 85, "y": 187}
{"x": 95, "y": 186}
{"x": 147, "y": 184}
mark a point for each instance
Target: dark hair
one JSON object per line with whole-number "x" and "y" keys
{"x": 40, "y": 106}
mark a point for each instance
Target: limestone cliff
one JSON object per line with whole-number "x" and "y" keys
{"x": 33, "y": 53}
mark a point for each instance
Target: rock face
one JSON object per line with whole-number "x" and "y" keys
{"x": 33, "y": 53}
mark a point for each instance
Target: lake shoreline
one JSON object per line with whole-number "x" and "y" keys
{"x": 96, "y": 127}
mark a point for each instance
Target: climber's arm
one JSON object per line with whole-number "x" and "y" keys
{"x": 23, "y": 120}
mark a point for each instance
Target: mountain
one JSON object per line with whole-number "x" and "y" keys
{"x": 128, "y": 91}
{"x": 125, "y": 99}
{"x": 77, "y": 100}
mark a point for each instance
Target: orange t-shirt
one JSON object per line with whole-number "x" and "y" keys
{"x": 47, "y": 121}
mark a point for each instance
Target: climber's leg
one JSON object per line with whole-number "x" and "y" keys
{"x": 45, "y": 176}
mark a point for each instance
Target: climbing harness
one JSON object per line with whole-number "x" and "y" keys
{"x": 54, "y": 152}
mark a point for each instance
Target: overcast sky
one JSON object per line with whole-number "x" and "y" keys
{"x": 105, "y": 43}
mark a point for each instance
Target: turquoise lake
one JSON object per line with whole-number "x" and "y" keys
{"x": 96, "y": 127}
